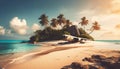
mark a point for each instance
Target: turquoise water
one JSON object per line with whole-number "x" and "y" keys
{"x": 14, "y": 46}
{"x": 110, "y": 41}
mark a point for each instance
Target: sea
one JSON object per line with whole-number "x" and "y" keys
{"x": 108, "y": 44}
{"x": 110, "y": 41}
{"x": 15, "y": 46}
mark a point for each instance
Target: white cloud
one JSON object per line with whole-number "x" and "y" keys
{"x": 113, "y": 34}
{"x": 107, "y": 20}
{"x": 19, "y": 25}
{"x": 2, "y": 30}
{"x": 35, "y": 27}
{"x": 110, "y": 36}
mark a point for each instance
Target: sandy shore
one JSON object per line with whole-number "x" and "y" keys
{"x": 54, "y": 56}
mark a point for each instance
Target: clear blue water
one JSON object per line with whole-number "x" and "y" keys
{"x": 14, "y": 46}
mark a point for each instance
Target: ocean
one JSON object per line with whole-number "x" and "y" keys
{"x": 15, "y": 46}
{"x": 110, "y": 41}
{"x": 108, "y": 44}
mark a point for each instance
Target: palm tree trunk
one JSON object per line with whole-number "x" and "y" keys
{"x": 91, "y": 31}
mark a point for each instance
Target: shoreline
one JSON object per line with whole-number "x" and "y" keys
{"x": 35, "y": 54}
{"x": 54, "y": 48}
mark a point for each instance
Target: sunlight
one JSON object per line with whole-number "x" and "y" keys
{"x": 116, "y": 6}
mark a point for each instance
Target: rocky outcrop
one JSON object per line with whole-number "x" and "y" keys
{"x": 98, "y": 62}
{"x": 74, "y": 30}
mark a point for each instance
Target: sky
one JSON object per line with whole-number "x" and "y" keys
{"x": 19, "y": 18}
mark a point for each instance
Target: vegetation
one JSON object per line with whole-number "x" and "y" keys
{"x": 95, "y": 26}
{"x": 52, "y": 32}
{"x": 43, "y": 20}
{"x": 84, "y": 22}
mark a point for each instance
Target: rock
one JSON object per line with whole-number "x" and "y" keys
{"x": 98, "y": 62}
{"x": 1, "y": 68}
{"x": 100, "y": 57}
{"x": 65, "y": 67}
{"x": 115, "y": 66}
{"x": 114, "y": 59}
{"x": 76, "y": 65}
{"x": 95, "y": 67}
{"x": 74, "y": 30}
{"x": 88, "y": 59}
{"x": 73, "y": 65}
{"x": 85, "y": 67}
{"x": 103, "y": 62}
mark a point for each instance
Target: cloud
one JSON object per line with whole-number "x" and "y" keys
{"x": 35, "y": 27}
{"x": 2, "y": 30}
{"x": 113, "y": 34}
{"x": 116, "y": 6}
{"x": 110, "y": 36}
{"x": 106, "y": 6}
{"x": 19, "y": 25}
{"x": 100, "y": 7}
{"x": 109, "y": 24}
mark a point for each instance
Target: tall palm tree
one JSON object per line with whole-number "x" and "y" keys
{"x": 61, "y": 19}
{"x": 43, "y": 20}
{"x": 95, "y": 26}
{"x": 54, "y": 22}
{"x": 84, "y": 22}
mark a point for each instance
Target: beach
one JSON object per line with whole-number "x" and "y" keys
{"x": 54, "y": 55}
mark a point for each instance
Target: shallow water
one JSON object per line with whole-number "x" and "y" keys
{"x": 13, "y": 46}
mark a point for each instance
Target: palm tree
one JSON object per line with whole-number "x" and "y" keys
{"x": 84, "y": 22}
{"x": 54, "y": 22}
{"x": 43, "y": 20}
{"x": 95, "y": 26}
{"x": 61, "y": 19}
{"x": 68, "y": 24}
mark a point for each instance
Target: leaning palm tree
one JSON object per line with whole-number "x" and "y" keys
{"x": 43, "y": 20}
{"x": 95, "y": 26}
{"x": 61, "y": 19}
{"x": 84, "y": 22}
{"x": 54, "y": 22}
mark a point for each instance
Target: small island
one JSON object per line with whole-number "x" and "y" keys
{"x": 57, "y": 27}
